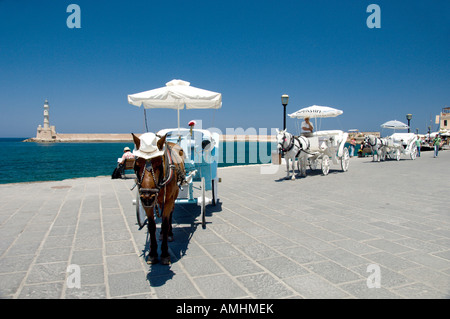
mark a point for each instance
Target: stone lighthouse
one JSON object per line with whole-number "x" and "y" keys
{"x": 46, "y": 133}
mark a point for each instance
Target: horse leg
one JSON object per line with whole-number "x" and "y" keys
{"x": 170, "y": 233}
{"x": 165, "y": 226}
{"x": 287, "y": 167}
{"x": 153, "y": 255}
{"x": 303, "y": 165}
{"x": 293, "y": 168}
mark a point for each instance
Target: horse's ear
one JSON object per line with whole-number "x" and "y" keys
{"x": 137, "y": 141}
{"x": 161, "y": 142}
{"x": 277, "y": 131}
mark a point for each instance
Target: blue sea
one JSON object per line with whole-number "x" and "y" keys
{"x": 31, "y": 162}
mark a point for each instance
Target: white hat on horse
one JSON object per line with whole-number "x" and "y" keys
{"x": 148, "y": 148}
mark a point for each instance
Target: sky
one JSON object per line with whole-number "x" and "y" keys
{"x": 318, "y": 52}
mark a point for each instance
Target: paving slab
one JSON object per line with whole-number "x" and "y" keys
{"x": 314, "y": 237}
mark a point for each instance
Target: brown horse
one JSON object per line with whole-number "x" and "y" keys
{"x": 157, "y": 180}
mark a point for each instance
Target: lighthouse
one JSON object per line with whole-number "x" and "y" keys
{"x": 46, "y": 117}
{"x": 46, "y": 133}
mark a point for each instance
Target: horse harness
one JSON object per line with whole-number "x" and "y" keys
{"x": 376, "y": 142}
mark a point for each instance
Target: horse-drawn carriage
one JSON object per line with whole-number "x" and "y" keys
{"x": 170, "y": 161}
{"x": 326, "y": 145}
{"x": 395, "y": 145}
{"x": 399, "y": 144}
{"x": 317, "y": 148}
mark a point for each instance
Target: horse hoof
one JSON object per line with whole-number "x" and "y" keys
{"x": 165, "y": 260}
{"x": 152, "y": 260}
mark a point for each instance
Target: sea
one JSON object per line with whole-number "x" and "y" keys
{"x": 33, "y": 162}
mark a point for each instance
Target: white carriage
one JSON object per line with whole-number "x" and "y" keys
{"x": 398, "y": 144}
{"x": 201, "y": 149}
{"x": 325, "y": 147}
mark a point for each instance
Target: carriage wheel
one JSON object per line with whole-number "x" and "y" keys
{"x": 203, "y": 206}
{"x": 140, "y": 212}
{"x": 345, "y": 160}
{"x": 325, "y": 165}
{"x": 214, "y": 191}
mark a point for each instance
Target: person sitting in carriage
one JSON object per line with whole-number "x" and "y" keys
{"x": 307, "y": 127}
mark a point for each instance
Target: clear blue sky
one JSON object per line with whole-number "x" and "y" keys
{"x": 318, "y": 52}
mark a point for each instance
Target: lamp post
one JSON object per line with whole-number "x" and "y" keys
{"x": 409, "y": 117}
{"x": 284, "y": 101}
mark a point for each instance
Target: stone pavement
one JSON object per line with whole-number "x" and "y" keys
{"x": 315, "y": 237}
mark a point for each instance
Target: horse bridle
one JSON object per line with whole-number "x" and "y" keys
{"x": 163, "y": 179}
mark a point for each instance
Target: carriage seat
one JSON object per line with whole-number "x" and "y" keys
{"x": 320, "y": 140}
{"x": 403, "y": 138}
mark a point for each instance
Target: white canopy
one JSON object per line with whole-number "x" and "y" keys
{"x": 394, "y": 124}
{"x": 175, "y": 95}
{"x": 316, "y": 111}
{"x": 444, "y": 132}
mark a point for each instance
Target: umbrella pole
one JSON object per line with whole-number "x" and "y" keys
{"x": 178, "y": 113}
{"x": 145, "y": 121}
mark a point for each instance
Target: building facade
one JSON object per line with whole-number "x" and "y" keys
{"x": 445, "y": 119}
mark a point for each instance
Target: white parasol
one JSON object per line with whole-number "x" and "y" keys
{"x": 176, "y": 95}
{"x": 394, "y": 124}
{"x": 316, "y": 111}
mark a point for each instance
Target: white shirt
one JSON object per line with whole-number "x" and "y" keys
{"x": 305, "y": 126}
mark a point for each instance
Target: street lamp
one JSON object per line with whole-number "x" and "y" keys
{"x": 284, "y": 101}
{"x": 409, "y": 117}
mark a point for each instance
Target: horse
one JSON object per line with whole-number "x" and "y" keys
{"x": 378, "y": 145}
{"x": 293, "y": 148}
{"x": 159, "y": 168}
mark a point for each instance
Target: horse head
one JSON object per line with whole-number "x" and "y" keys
{"x": 370, "y": 140}
{"x": 149, "y": 173}
{"x": 282, "y": 137}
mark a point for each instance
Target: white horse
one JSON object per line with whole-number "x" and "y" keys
{"x": 377, "y": 145}
{"x": 293, "y": 148}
